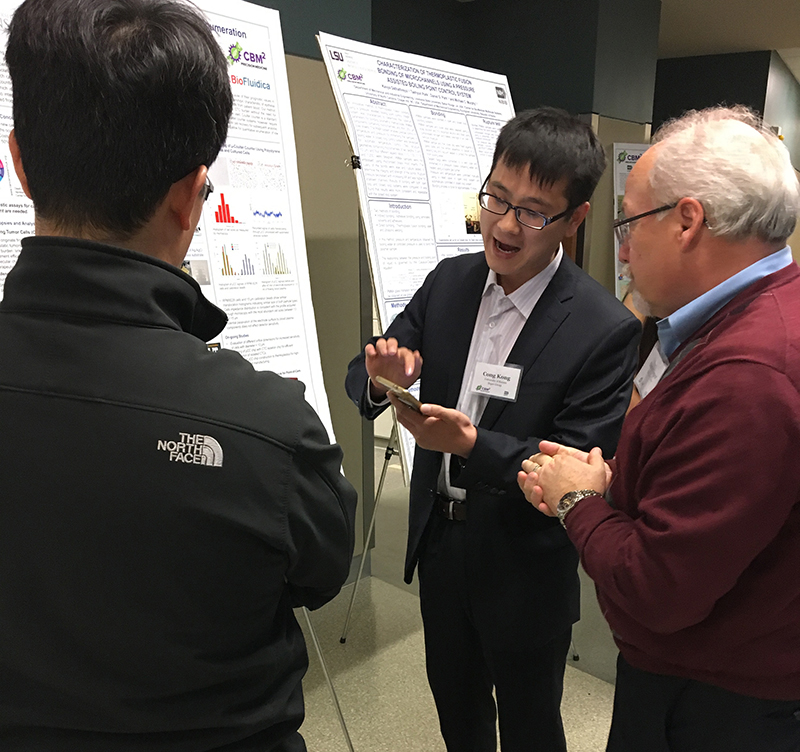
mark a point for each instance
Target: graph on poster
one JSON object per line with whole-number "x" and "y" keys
{"x": 236, "y": 261}
{"x": 223, "y": 212}
{"x": 275, "y": 260}
{"x": 266, "y": 214}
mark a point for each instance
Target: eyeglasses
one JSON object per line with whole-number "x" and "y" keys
{"x": 208, "y": 189}
{"x": 622, "y": 227}
{"x": 526, "y": 217}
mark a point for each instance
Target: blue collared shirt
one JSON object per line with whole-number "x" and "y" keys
{"x": 679, "y": 326}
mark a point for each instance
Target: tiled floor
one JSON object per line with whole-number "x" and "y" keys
{"x": 379, "y": 673}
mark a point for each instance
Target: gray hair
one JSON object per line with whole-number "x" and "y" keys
{"x": 738, "y": 169}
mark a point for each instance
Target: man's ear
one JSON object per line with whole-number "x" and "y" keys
{"x": 16, "y": 158}
{"x": 184, "y": 199}
{"x": 691, "y": 216}
{"x": 575, "y": 219}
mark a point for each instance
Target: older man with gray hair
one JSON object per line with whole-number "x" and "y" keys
{"x": 692, "y": 533}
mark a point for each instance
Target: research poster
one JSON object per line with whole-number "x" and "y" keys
{"x": 625, "y": 157}
{"x": 248, "y": 253}
{"x": 423, "y": 132}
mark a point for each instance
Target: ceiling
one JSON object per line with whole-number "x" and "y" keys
{"x": 707, "y": 27}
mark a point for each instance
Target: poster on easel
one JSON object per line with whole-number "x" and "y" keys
{"x": 422, "y": 132}
{"x": 625, "y": 157}
{"x": 248, "y": 253}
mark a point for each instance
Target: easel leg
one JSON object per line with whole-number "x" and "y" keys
{"x": 390, "y": 452}
{"x": 328, "y": 679}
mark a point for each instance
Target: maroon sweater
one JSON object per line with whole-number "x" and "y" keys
{"x": 698, "y": 567}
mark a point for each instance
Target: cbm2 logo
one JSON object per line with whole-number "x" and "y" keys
{"x": 336, "y": 55}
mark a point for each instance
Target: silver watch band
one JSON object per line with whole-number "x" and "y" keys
{"x": 570, "y": 499}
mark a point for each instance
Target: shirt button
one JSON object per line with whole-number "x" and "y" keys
{"x": 491, "y": 324}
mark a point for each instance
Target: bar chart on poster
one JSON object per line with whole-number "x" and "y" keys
{"x": 248, "y": 254}
{"x": 222, "y": 214}
{"x": 423, "y": 133}
{"x": 249, "y": 251}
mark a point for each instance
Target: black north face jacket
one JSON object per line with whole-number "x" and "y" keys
{"x": 162, "y": 509}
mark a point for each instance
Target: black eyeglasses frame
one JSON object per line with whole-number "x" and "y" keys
{"x": 622, "y": 234}
{"x": 208, "y": 188}
{"x": 518, "y": 209}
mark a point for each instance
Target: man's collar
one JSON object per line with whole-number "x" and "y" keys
{"x": 680, "y": 325}
{"x": 525, "y": 296}
{"x": 60, "y": 276}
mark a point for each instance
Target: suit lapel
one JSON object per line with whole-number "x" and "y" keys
{"x": 465, "y": 304}
{"x": 546, "y": 317}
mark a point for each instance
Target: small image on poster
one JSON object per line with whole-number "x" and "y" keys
{"x": 472, "y": 213}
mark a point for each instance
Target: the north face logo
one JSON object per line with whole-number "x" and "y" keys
{"x": 194, "y": 449}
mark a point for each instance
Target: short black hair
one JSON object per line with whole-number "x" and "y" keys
{"x": 114, "y": 101}
{"x": 553, "y": 145}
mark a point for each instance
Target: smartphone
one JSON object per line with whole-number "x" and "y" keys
{"x": 402, "y": 394}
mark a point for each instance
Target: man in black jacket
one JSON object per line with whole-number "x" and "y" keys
{"x": 163, "y": 508}
{"x": 498, "y": 581}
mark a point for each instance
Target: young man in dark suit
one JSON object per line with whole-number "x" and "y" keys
{"x": 496, "y": 575}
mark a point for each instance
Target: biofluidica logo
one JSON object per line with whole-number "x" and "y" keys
{"x": 193, "y": 449}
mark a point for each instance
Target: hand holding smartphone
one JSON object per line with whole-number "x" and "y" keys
{"x": 402, "y": 394}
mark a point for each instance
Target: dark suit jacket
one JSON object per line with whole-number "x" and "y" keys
{"x": 578, "y": 353}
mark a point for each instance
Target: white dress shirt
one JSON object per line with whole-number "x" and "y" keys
{"x": 499, "y": 322}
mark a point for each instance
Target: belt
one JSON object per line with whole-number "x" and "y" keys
{"x": 451, "y": 509}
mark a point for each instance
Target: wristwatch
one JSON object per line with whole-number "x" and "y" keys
{"x": 570, "y": 499}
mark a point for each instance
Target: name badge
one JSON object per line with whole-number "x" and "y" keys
{"x": 500, "y": 382}
{"x": 652, "y": 371}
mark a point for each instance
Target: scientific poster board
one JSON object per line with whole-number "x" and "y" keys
{"x": 424, "y": 132}
{"x": 625, "y": 157}
{"x": 248, "y": 253}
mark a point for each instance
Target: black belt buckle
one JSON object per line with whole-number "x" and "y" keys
{"x": 452, "y": 509}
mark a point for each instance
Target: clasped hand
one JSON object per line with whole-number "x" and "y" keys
{"x": 559, "y": 469}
